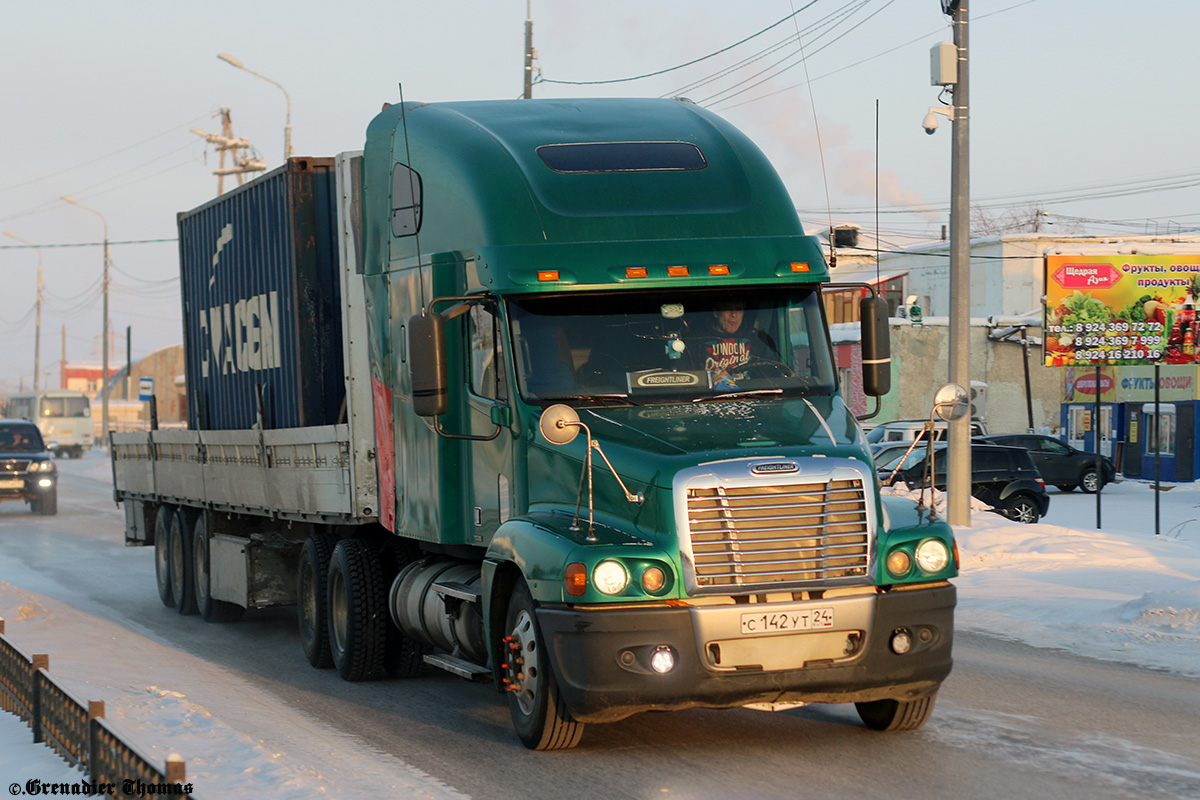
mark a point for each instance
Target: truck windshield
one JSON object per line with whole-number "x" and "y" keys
{"x": 671, "y": 345}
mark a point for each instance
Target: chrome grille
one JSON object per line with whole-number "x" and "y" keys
{"x": 11, "y": 466}
{"x": 766, "y": 537}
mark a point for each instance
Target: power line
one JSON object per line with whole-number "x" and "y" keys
{"x": 103, "y": 157}
{"x": 681, "y": 66}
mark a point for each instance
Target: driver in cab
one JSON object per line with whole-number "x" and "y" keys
{"x": 729, "y": 345}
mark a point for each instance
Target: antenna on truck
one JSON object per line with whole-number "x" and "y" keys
{"x": 411, "y": 190}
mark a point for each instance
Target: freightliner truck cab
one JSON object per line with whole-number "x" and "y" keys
{"x": 609, "y": 421}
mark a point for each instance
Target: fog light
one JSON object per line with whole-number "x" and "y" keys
{"x": 653, "y": 580}
{"x": 932, "y": 555}
{"x": 45, "y": 483}
{"x": 901, "y": 641}
{"x": 898, "y": 563}
{"x": 662, "y": 660}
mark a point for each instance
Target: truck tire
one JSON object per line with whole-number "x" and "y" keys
{"x": 180, "y": 550}
{"x": 312, "y": 598}
{"x": 897, "y": 715}
{"x": 162, "y": 559}
{"x": 539, "y": 716}
{"x": 208, "y": 608}
{"x": 358, "y": 615}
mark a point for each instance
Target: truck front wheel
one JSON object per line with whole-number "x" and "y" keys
{"x": 358, "y": 615}
{"x": 540, "y": 718}
{"x": 312, "y": 601}
{"x": 897, "y": 715}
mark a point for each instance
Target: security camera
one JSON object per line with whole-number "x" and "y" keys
{"x": 930, "y": 122}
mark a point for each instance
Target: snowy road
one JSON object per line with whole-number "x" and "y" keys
{"x": 252, "y": 719}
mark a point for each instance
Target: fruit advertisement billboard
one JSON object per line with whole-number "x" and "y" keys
{"x": 1121, "y": 309}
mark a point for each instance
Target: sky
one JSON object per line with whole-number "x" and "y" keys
{"x": 1078, "y": 108}
{"x": 1119, "y": 594}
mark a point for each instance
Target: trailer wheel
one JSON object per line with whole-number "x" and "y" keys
{"x": 162, "y": 562}
{"x": 208, "y": 608}
{"x": 312, "y": 598}
{"x": 358, "y": 615}
{"x": 179, "y": 549}
{"x": 897, "y": 715}
{"x": 540, "y": 718}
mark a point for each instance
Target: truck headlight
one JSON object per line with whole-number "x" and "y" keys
{"x": 610, "y": 577}
{"x": 41, "y": 466}
{"x": 932, "y": 555}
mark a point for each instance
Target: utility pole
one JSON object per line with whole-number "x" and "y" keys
{"x": 104, "y": 335}
{"x": 958, "y": 473}
{"x": 226, "y": 142}
{"x": 37, "y": 340}
{"x": 529, "y": 54}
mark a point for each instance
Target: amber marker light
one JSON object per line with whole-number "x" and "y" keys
{"x": 718, "y": 269}
{"x": 635, "y": 272}
{"x": 576, "y": 579}
{"x": 548, "y": 275}
{"x": 800, "y": 266}
{"x": 677, "y": 272}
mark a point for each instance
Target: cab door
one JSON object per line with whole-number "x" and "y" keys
{"x": 489, "y": 473}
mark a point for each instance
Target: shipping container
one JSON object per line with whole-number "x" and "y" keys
{"x": 261, "y": 300}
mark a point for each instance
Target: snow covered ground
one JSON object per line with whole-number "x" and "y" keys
{"x": 1120, "y": 594}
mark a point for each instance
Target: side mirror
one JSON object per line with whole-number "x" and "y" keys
{"x": 427, "y": 364}
{"x": 876, "y": 347}
{"x": 559, "y": 424}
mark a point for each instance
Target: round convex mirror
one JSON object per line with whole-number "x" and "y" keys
{"x": 559, "y": 424}
{"x": 951, "y": 402}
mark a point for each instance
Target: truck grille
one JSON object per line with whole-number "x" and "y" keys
{"x": 769, "y": 537}
{"x": 14, "y": 466}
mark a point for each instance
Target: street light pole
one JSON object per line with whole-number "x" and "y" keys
{"x": 104, "y": 338}
{"x": 287, "y": 131}
{"x": 958, "y": 473}
{"x": 37, "y": 337}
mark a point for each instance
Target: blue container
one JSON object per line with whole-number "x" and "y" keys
{"x": 262, "y": 302}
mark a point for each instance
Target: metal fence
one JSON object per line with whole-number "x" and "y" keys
{"x": 75, "y": 730}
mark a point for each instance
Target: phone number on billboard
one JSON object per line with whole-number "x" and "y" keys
{"x": 1104, "y": 355}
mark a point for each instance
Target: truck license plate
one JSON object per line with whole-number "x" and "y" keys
{"x": 780, "y": 621}
{"x": 17, "y": 484}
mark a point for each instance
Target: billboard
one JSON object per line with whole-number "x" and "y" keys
{"x": 1121, "y": 309}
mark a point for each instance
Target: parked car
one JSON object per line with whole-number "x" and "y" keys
{"x": 1060, "y": 464}
{"x": 27, "y": 470}
{"x": 905, "y": 430}
{"x": 1003, "y": 477}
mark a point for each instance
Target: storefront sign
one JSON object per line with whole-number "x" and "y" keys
{"x": 1121, "y": 309}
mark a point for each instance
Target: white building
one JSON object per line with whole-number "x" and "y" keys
{"x": 1007, "y": 272}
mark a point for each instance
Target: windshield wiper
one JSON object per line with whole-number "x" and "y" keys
{"x": 615, "y": 397}
{"x": 734, "y": 395}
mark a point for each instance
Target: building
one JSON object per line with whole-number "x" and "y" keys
{"x": 83, "y": 377}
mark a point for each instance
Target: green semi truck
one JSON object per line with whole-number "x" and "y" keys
{"x": 541, "y": 393}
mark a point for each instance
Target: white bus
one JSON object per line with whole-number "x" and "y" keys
{"x": 64, "y": 417}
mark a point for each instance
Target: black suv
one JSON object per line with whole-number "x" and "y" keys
{"x": 27, "y": 470}
{"x": 1061, "y": 465}
{"x": 1003, "y": 477}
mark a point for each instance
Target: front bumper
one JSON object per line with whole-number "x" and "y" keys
{"x": 602, "y": 656}
{"x": 27, "y": 487}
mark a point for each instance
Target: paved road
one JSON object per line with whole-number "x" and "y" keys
{"x": 1011, "y": 722}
